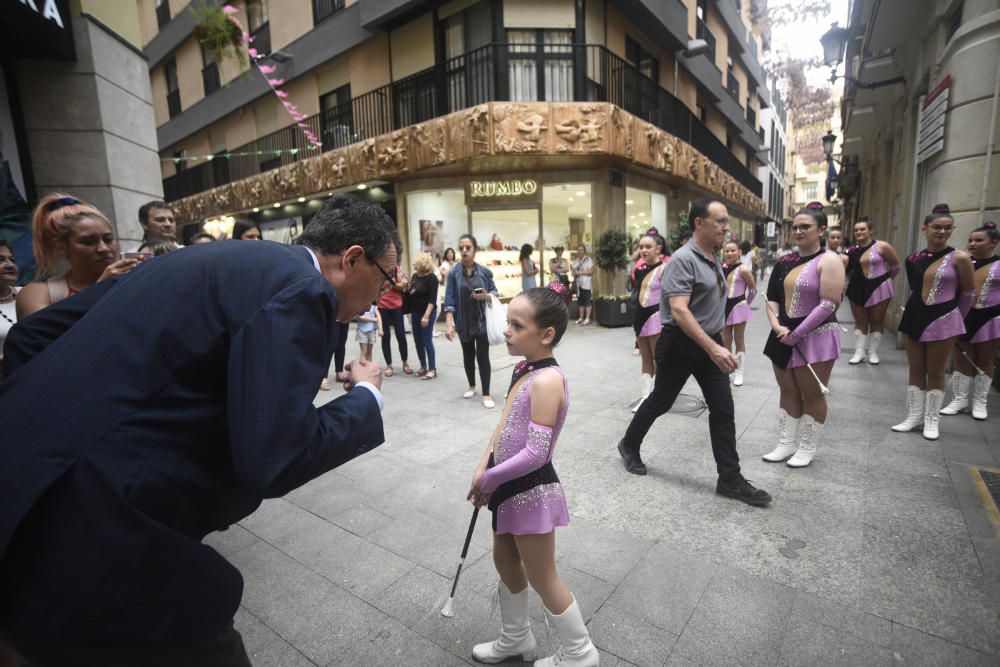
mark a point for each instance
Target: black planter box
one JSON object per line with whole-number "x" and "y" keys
{"x": 574, "y": 310}
{"x": 618, "y": 313}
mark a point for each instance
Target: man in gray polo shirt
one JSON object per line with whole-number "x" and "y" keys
{"x": 692, "y": 309}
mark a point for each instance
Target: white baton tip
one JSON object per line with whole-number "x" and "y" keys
{"x": 446, "y": 609}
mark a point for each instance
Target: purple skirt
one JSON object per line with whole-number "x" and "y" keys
{"x": 883, "y": 292}
{"x": 739, "y": 314}
{"x": 652, "y": 326}
{"x": 947, "y": 326}
{"x": 537, "y": 511}
{"x": 820, "y": 344}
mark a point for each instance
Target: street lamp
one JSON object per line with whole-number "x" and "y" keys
{"x": 829, "y": 139}
{"x": 834, "y": 43}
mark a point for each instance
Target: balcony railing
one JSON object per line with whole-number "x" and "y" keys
{"x": 174, "y": 103}
{"x": 262, "y": 39}
{"x": 588, "y": 72}
{"x": 210, "y": 77}
{"x": 162, "y": 14}
{"x": 704, "y": 33}
{"x": 751, "y": 117}
{"x": 733, "y": 86}
{"x": 324, "y": 9}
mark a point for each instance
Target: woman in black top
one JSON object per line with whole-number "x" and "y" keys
{"x": 422, "y": 303}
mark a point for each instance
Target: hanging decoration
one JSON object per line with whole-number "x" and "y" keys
{"x": 234, "y": 154}
{"x": 275, "y": 83}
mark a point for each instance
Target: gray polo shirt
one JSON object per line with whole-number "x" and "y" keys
{"x": 690, "y": 272}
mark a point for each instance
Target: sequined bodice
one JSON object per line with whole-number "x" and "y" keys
{"x": 988, "y": 290}
{"x": 737, "y": 285}
{"x": 514, "y": 435}
{"x": 942, "y": 284}
{"x": 804, "y": 288}
{"x": 877, "y": 266}
{"x": 651, "y": 293}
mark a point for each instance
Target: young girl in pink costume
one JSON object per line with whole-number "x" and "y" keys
{"x": 741, "y": 288}
{"x": 516, "y": 479}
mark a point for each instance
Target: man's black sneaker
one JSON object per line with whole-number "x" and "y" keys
{"x": 746, "y": 492}
{"x": 632, "y": 461}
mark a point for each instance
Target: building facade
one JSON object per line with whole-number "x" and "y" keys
{"x": 518, "y": 121}
{"x": 920, "y": 118}
{"x": 774, "y": 172}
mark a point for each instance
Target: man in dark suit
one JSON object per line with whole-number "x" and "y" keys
{"x": 143, "y": 414}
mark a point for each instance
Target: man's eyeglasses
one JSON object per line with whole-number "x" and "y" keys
{"x": 802, "y": 228}
{"x": 389, "y": 283}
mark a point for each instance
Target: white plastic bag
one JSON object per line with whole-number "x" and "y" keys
{"x": 496, "y": 320}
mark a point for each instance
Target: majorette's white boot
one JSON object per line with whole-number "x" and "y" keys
{"x": 575, "y": 648}
{"x": 932, "y": 413}
{"x": 809, "y": 430}
{"x": 788, "y": 430}
{"x": 515, "y": 638}
{"x": 738, "y": 374}
{"x": 914, "y": 410}
{"x": 959, "y": 394}
{"x": 859, "y": 347}
{"x": 647, "y": 388}
{"x": 980, "y": 394}
{"x": 873, "y": 343}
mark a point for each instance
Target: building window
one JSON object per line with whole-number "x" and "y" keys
{"x": 180, "y": 164}
{"x": 700, "y": 112}
{"x": 809, "y": 191}
{"x": 209, "y": 71}
{"x": 468, "y": 64}
{"x": 642, "y": 59}
{"x": 162, "y": 13}
{"x": 258, "y": 23}
{"x": 954, "y": 21}
{"x": 337, "y": 118}
{"x": 732, "y": 83}
{"x": 540, "y": 65}
{"x": 173, "y": 93}
{"x": 324, "y": 9}
{"x": 729, "y": 142}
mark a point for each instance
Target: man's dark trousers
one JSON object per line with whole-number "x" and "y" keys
{"x": 678, "y": 358}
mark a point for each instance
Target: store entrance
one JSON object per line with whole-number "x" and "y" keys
{"x": 500, "y": 234}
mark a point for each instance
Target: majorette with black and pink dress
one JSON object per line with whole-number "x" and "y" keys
{"x": 803, "y": 294}
{"x": 871, "y": 267}
{"x": 940, "y": 280}
{"x": 741, "y": 288}
{"x": 981, "y": 339}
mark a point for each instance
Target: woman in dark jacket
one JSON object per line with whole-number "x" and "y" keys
{"x": 422, "y": 302}
{"x": 468, "y": 290}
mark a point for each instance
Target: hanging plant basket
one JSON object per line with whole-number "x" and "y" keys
{"x": 220, "y": 36}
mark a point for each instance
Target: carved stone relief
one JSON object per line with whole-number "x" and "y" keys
{"x": 580, "y": 128}
{"x": 622, "y": 141}
{"x": 428, "y": 144}
{"x": 521, "y": 128}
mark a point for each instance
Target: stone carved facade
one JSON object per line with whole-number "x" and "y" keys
{"x": 496, "y": 128}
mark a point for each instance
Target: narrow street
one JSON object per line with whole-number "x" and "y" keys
{"x": 882, "y": 552}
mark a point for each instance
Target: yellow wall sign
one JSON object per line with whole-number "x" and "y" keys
{"x": 511, "y": 188}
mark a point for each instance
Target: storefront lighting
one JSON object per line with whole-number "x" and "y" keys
{"x": 361, "y": 186}
{"x": 590, "y": 215}
{"x": 302, "y": 199}
{"x": 632, "y": 217}
{"x": 581, "y": 193}
{"x": 329, "y": 194}
{"x": 276, "y": 205}
{"x": 629, "y": 202}
{"x": 570, "y": 199}
{"x": 256, "y": 209}
{"x": 642, "y": 215}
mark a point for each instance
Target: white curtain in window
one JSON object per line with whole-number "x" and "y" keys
{"x": 522, "y": 71}
{"x": 558, "y": 71}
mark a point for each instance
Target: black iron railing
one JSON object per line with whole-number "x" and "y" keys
{"x": 482, "y": 75}
{"x": 751, "y": 116}
{"x": 174, "y": 103}
{"x": 324, "y": 9}
{"x": 210, "y": 77}
{"x": 262, "y": 39}
{"x": 702, "y": 32}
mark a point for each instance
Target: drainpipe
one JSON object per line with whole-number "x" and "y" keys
{"x": 989, "y": 148}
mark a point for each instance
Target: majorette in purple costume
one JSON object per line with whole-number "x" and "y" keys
{"x": 867, "y": 288}
{"x": 539, "y": 509}
{"x": 932, "y": 311}
{"x": 982, "y": 324}
{"x": 794, "y": 284}
{"x": 738, "y": 296}
{"x": 647, "y": 321}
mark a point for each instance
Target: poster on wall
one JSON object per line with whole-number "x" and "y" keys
{"x": 283, "y": 231}
{"x": 432, "y": 237}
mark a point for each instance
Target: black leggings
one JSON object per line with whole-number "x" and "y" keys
{"x": 341, "y": 351}
{"x": 393, "y": 319}
{"x": 477, "y": 349}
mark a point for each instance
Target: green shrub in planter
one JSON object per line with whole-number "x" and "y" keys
{"x": 614, "y": 311}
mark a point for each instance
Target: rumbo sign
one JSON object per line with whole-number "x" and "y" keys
{"x": 512, "y": 188}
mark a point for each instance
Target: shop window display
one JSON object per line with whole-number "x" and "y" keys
{"x": 435, "y": 220}
{"x": 645, "y": 209}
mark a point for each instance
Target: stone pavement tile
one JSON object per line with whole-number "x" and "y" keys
{"x": 264, "y": 646}
{"x": 328, "y": 496}
{"x": 865, "y": 627}
{"x": 663, "y": 588}
{"x": 360, "y": 520}
{"x": 590, "y": 593}
{"x": 810, "y": 642}
{"x": 374, "y": 473}
{"x": 441, "y": 553}
{"x": 402, "y": 535}
{"x": 910, "y": 479}
{"x": 317, "y": 617}
{"x": 972, "y": 449}
{"x": 812, "y": 550}
{"x": 739, "y": 620}
{"x": 974, "y": 502}
{"x": 916, "y": 648}
{"x": 600, "y": 552}
{"x": 229, "y": 541}
{"x": 395, "y": 644}
{"x": 809, "y": 487}
{"x": 276, "y": 519}
{"x": 609, "y": 660}
{"x": 621, "y": 634}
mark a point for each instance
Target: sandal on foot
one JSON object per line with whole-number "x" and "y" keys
{"x": 430, "y": 375}
{"x": 407, "y": 369}
{"x": 388, "y": 372}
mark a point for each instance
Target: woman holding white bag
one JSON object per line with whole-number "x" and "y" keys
{"x": 469, "y": 288}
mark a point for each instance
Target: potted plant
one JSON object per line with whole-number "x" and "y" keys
{"x": 611, "y": 256}
{"x": 220, "y": 36}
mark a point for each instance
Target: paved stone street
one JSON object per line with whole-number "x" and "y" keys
{"x": 882, "y": 552}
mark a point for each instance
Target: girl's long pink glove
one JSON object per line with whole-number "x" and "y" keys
{"x": 535, "y": 454}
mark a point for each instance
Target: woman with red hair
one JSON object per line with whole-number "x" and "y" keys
{"x": 74, "y": 248}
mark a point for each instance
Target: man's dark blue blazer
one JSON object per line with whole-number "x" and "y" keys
{"x": 148, "y": 411}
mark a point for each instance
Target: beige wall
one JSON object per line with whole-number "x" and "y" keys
{"x": 177, "y": 6}
{"x": 370, "y": 65}
{"x": 616, "y": 27}
{"x": 336, "y": 75}
{"x": 230, "y": 68}
{"x": 265, "y": 117}
{"x": 147, "y": 20}
{"x": 716, "y": 122}
{"x": 240, "y": 128}
{"x": 412, "y": 47}
{"x": 534, "y": 14}
{"x": 741, "y": 76}
{"x": 718, "y": 29}
{"x": 158, "y": 89}
{"x": 122, "y": 16}
{"x": 289, "y": 20}
{"x": 302, "y": 93}
{"x": 188, "y": 57}
{"x": 594, "y": 22}
{"x": 692, "y": 7}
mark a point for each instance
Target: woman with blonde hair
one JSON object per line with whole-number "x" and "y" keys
{"x": 422, "y": 303}
{"x": 74, "y": 247}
